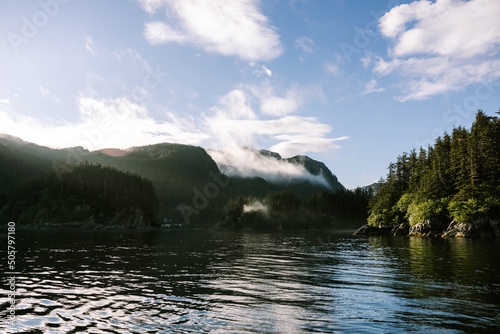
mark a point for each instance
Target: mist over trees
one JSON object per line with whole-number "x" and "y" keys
{"x": 456, "y": 179}
{"x": 38, "y": 185}
{"x": 286, "y": 210}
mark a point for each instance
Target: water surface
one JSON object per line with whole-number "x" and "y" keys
{"x": 240, "y": 282}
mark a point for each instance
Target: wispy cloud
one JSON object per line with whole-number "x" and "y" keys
{"x": 441, "y": 46}
{"x": 276, "y": 103}
{"x": 244, "y": 162}
{"x": 305, "y": 43}
{"x": 116, "y": 123}
{"x": 331, "y": 68}
{"x": 46, "y": 93}
{"x": 260, "y": 70}
{"x": 234, "y": 28}
{"x": 235, "y": 123}
{"x": 90, "y": 46}
{"x": 371, "y": 88}
{"x": 235, "y": 120}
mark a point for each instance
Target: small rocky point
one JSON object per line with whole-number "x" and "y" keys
{"x": 478, "y": 228}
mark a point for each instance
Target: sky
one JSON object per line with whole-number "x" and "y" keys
{"x": 353, "y": 84}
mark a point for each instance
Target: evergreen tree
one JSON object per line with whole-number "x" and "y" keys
{"x": 456, "y": 178}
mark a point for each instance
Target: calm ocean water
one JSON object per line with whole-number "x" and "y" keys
{"x": 241, "y": 282}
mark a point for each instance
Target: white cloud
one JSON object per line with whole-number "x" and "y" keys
{"x": 441, "y": 46}
{"x": 371, "y": 88}
{"x": 235, "y": 124}
{"x": 446, "y": 28}
{"x": 116, "y": 123}
{"x": 271, "y": 104}
{"x": 160, "y": 32}
{"x": 6, "y": 101}
{"x": 280, "y": 103}
{"x": 234, "y": 105}
{"x": 245, "y": 116}
{"x": 260, "y": 70}
{"x": 278, "y": 106}
{"x": 305, "y": 43}
{"x": 238, "y": 161}
{"x": 231, "y": 28}
{"x": 331, "y": 68}
{"x": 89, "y": 45}
{"x": 46, "y": 93}
{"x": 292, "y": 144}
{"x": 232, "y": 122}
{"x": 272, "y": 129}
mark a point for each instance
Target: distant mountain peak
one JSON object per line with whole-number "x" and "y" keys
{"x": 250, "y": 162}
{"x": 114, "y": 152}
{"x": 13, "y": 139}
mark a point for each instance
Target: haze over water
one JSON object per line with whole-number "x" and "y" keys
{"x": 240, "y": 282}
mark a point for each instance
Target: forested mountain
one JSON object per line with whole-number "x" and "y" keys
{"x": 456, "y": 179}
{"x": 187, "y": 182}
{"x": 315, "y": 168}
{"x": 85, "y": 192}
{"x": 299, "y": 174}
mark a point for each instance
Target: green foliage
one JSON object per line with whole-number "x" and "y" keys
{"x": 404, "y": 202}
{"x": 418, "y": 212}
{"x": 456, "y": 178}
{"x": 466, "y": 211}
{"x": 381, "y": 218}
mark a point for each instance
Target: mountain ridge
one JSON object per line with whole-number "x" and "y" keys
{"x": 178, "y": 172}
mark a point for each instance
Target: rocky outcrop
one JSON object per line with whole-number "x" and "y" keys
{"x": 495, "y": 225}
{"x": 402, "y": 229}
{"x": 479, "y": 228}
{"x": 369, "y": 230}
{"x": 429, "y": 228}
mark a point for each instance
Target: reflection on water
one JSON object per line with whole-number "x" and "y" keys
{"x": 205, "y": 281}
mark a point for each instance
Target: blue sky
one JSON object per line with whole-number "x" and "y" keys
{"x": 351, "y": 83}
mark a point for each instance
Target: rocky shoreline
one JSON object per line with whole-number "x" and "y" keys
{"x": 479, "y": 228}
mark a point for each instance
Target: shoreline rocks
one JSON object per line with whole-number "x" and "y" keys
{"x": 373, "y": 231}
{"x": 478, "y": 228}
{"x": 402, "y": 229}
{"x": 429, "y": 228}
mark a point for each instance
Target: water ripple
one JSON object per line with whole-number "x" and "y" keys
{"x": 252, "y": 283}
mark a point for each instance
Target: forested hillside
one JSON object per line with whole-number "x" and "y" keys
{"x": 84, "y": 192}
{"x": 180, "y": 174}
{"x": 286, "y": 210}
{"x": 456, "y": 179}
